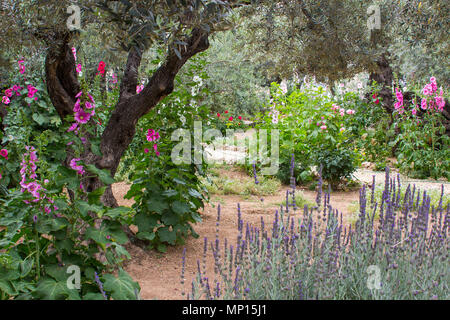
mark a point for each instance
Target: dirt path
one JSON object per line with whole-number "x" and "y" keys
{"x": 365, "y": 176}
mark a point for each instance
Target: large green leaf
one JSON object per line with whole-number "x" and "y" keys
{"x": 94, "y": 196}
{"x": 166, "y": 235}
{"x": 157, "y": 205}
{"x": 121, "y": 288}
{"x": 169, "y": 218}
{"x": 117, "y": 212}
{"x": 50, "y": 289}
{"x": 98, "y": 235}
{"x": 146, "y": 222}
{"x": 104, "y": 175}
{"x": 180, "y": 207}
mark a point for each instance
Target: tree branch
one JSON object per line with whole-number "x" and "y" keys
{"x": 62, "y": 83}
{"x": 130, "y": 79}
{"x": 121, "y": 127}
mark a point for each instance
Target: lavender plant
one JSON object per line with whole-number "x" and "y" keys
{"x": 311, "y": 254}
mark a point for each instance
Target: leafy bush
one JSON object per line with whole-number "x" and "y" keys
{"x": 43, "y": 233}
{"x": 312, "y": 125}
{"x": 336, "y": 165}
{"x": 423, "y": 147}
{"x": 48, "y": 221}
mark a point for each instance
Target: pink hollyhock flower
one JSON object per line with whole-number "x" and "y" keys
{"x": 33, "y": 187}
{"x": 4, "y": 153}
{"x": 324, "y": 127}
{"x": 78, "y": 68}
{"x": 82, "y": 117}
{"x": 8, "y": 92}
{"x": 230, "y": 119}
{"x": 240, "y": 118}
{"x": 74, "y": 51}
{"x": 218, "y": 115}
{"x": 78, "y": 168}
{"x": 428, "y": 90}
{"x": 146, "y": 150}
{"x": 72, "y": 127}
{"x": 139, "y": 88}
{"x": 423, "y": 104}
{"x": 5, "y": 100}
{"x": 157, "y": 153}
{"x": 150, "y": 135}
{"x": 73, "y": 163}
{"x": 414, "y": 111}
{"x": 318, "y": 123}
{"x": 79, "y": 94}
{"x": 226, "y": 111}
{"x": 88, "y": 105}
{"x": 0, "y": 176}
{"x": 91, "y": 98}
{"x": 77, "y": 106}
{"x": 22, "y": 69}
{"x": 155, "y": 147}
{"x": 31, "y": 91}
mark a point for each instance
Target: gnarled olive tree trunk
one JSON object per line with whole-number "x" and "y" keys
{"x": 62, "y": 85}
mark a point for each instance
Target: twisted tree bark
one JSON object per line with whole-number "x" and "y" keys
{"x": 62, "y": 86}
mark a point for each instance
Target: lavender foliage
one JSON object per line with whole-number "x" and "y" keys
{"x": 316, "y": 256}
